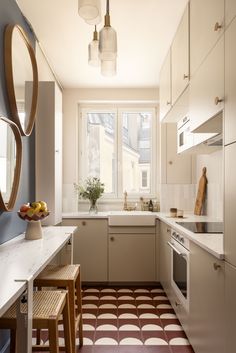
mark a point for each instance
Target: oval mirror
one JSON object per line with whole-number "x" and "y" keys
{"x": 10, "y": 163}
{"x": 21, "y": 78}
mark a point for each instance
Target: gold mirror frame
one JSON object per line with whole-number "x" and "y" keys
{"x": 8, "y": 35}
{"x": 8, "y": 206}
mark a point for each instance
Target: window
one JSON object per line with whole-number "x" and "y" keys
{"x": 118, "y": 145}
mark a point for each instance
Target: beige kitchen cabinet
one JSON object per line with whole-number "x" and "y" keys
{"x": 206, "y": 316}
{"x": 165, "y": 87}
{"x": 230, "y": 11}
{"x": 230, "y": 308}
{"x": 48, "y": 150}
{"x": 206, "y": 17}
{"x": 90, "y": 248}
{"x": 230, "y": 204}
{"x": 175, "y": 168}
{"x": 132, "y": 255}
{"x": 207, "y": 89}
{"x": 180, "y": 57}
{"x": 230, "y": 84}
{"x": 165, "y": 258}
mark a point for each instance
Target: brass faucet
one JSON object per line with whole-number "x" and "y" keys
{"x": 125, "y": 207}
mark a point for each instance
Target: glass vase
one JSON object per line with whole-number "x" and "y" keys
{"x": 93, "y": 207}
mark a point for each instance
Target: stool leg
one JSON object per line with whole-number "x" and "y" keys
{"x": 38, "y": 336}
{"x": 13, "y": 341}
{"x": 53, "y": 336}
{"x": 71, "y": 294}
{"x": 67, "y": 330}
{"x": 79, "y": 305}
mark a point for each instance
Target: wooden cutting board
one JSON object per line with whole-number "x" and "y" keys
{"x": 201, "y": 194}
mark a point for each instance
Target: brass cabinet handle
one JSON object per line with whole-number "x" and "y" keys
{"x": 177, "y": 304}
{"x": 185, "y": 76}
{"x": 218, "y": 100}
{"x": 168, "y": 230}
{"x": 112, "y": 238}
{"x": 83, "y": 223}
{"x": 217, "y": 26}
{"x": 216, "y": 266}
{"x": 168, "y": 103}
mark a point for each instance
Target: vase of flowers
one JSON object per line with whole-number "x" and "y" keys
{"x": 92, "y": 189}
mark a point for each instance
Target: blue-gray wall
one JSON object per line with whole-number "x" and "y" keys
{"x": 10, "y": 224}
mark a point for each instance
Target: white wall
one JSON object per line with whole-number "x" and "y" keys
{"x": 71, "y": 100}
{"x": 214, "y": 198}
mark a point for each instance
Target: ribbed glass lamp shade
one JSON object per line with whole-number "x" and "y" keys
{"x": 108, "y": 68}
{"x": 107, "y": 43}
{"x": 93, "y": 53}
{"x": 89, "y": 9}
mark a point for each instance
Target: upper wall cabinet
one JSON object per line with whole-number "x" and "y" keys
{"x": 180, "y": 57}
{"x": 206, "y": 27}
{"x": 230, "y": 87}
{"x": 165, "y": 87}
{"x": 207, "y": 88}
{"x": 230, "y": 11}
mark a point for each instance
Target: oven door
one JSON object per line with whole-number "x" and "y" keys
{"x": 180, "y": 272}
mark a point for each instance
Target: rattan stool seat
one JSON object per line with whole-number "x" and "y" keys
{"x": 54, "y": 272}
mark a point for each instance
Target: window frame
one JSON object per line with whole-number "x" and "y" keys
{"x": 118, "y": 109}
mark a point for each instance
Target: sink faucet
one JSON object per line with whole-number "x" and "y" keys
{"x": 125, "y": 207}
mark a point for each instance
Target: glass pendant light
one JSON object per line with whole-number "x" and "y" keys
{"x": 107, "y": 39}
{"x": 93, "y": 51}
{"x": 108, "y": 68}
{"x": 89, "y": 10}
{"x": 94, "y": 21}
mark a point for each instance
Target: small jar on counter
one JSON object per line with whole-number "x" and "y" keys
{"x": 173, "y": 212}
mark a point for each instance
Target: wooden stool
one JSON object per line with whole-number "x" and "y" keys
{"x": 47, "y": 309}
{"x": 68, "y": 277}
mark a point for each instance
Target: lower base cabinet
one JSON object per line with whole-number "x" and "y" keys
{"x": 90, "y": 248}
{"x": 206, "y": 319}
{"x": 132, "y": 257}
{"x": 230, "y": 308}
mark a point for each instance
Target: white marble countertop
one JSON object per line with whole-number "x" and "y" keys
{"x": 23, "y": 259}
{"x": 213, "y": 243}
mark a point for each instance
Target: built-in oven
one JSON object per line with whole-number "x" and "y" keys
{"x": 180, "y": 268}
{"x": 184, "y": 135}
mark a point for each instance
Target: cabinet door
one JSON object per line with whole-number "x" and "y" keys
{"x": 90, "y": 248}
{"x": 180, "y": 57}
{"x": 230, "y": 83}
{"x": 165, "y": 258}
{"x": 132, "y": 257}
{"x": 204, "y": 16}
{"x": 230, "y": 205}
{"x": 178, "y": 166}
{"x": 165, "y": 87}
{"x": 206, "y": 87}
{"x": 206, "y": 316}
{"x": 230, "y": 10}
{"x": 230, "y": 308}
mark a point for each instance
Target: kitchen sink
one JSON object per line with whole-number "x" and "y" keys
{"x": 131, "y": 218}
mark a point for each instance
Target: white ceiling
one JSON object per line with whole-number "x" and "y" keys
{"x": 145, "y": 29}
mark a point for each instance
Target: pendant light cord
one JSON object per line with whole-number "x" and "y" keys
{"x": 108, "y": 10}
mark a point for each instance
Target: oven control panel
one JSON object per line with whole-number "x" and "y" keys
{"x": 180, "y": 238}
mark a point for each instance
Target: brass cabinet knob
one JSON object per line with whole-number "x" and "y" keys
{"x": 112, "y": 238}
{"x": 177, "y": 304}
{"x": 216, "y": 266}
{"x": 168, "y": 103}
{"x": 217, "y": 27}
{"x": 83, "y": 223}
{"x": 185, "y": 76}
{"x": 170, "y": 162}
{"x": 168, "y": 230}
{"x": 218, "y": 100}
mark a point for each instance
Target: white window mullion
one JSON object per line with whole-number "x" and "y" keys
{"x": 119, "y": 154}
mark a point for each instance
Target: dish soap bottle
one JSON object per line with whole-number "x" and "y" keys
{"x": 150, "y": 206}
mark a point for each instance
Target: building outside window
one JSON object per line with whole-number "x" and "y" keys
{"x": 118, "y": 145}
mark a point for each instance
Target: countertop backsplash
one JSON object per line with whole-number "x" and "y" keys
{"x": 180, "y": 196}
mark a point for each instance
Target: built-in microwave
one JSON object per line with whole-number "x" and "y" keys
{"x": 184, "y": 135}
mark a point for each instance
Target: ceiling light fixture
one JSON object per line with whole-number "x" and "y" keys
{"x": 90, "y": 10}
{"x": 93, "y": 51}
{"x": 107, "y": 39}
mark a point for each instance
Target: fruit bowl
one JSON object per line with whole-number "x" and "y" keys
{"x": 34, "y": 217}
